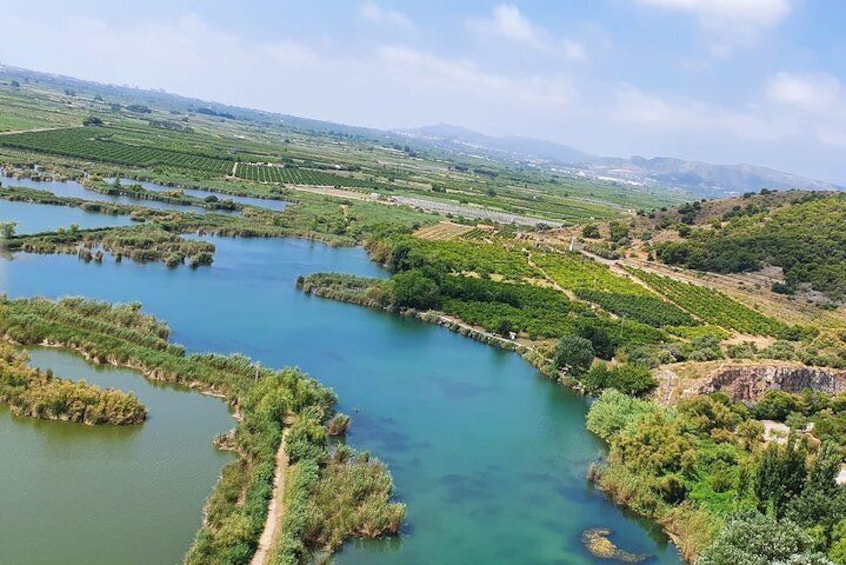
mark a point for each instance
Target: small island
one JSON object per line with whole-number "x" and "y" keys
{"x": 34, "y": 393}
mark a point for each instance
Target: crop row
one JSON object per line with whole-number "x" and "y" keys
{"x": 84, "y": 143}
{"x": 574, "y": 271}
{"x": 295, "y": 175}
{"x": 649, "y": 310}
{"x": 712, "y": 306}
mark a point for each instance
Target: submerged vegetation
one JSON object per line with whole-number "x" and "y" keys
{"x": 268, "y": 402}
{"x": 32, "y": 393}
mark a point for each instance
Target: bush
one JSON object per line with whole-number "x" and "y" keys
{"x": 573, "y": 354}
{"x": 627, "y": 378}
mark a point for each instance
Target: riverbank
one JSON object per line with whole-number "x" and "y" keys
{"x": 269, "y": 404}
{"x": 360, "y": 297}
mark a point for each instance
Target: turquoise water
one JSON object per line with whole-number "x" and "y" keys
{"x": 72, "y": 189}
{"x": 278, "y": 205}
{"x": 34, "y": 218}
{"x": 490, "y": 456}
{"x": 100, "y": 496}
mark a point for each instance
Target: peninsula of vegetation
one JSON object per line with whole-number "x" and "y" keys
{"x": 332, "y": 493}
{"x": 35, "y": 394}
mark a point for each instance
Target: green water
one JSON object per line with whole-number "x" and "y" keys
{"x": 489, "y": 456}
{"x": 131, "y": 495}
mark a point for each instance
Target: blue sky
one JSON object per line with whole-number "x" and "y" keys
{"x": 727, "y": 81}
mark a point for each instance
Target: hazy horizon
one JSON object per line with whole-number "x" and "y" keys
{"x": 758, "y": 82}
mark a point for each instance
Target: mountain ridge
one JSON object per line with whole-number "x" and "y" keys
{"x": 698, "y": 177}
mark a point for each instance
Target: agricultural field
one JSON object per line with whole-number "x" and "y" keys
{"x": 472, "y": 258}
{"x": 443, "y": 231}
{"x": 295, "y": 175}
{"x": 574, "y": 271}
{"x": 594, "y": 282}
{"x": 97, "y": 144}
{"x": 712, "y": 306}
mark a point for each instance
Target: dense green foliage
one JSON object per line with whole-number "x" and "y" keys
{"x": 649, "y": 310}
{"x": 456, "y": 256}
{"x": 573, "y": 354}
{"x": 805, "y": 238}
{"x": 629, "y": 378}
{"x": 100, "y": 145}
{"x": 30, "y": 392}
{"x": 704, "y": 463}
{"x": 287, "y": 174}
{"x": 577, "y": 272}
{"x": 755, "y": 539}
{"x": 712, "y": 306}
{"x": 268, "y": 402}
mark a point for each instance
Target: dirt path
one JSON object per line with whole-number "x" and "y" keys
{"x": 33, "y": 130}
{"x": 275, "y": 510}
{"x": 554, "y": 284}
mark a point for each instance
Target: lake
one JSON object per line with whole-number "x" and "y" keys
{"x": 278, "y": 205}
{"x": 490, "y": 456}
{"x": 35, "y": 218}
{"x": 131, "y": 494}
{"x": 72, "y": 189}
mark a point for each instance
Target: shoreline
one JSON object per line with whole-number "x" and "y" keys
{"x": 528, "y": 354}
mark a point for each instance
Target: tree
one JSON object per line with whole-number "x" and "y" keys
{"x": 754, "y": 539}
{"x": 590, "y": 231}
{"x": 781, "y": 476}
{"x": 7, "y": 230}
{"x": 573, "y": 354}
{"x": 92, "y": 121}
{"x": 618, "y": 231}
{"x": 413, "y": 289}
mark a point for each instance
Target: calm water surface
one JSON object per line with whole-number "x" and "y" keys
{"x": 34, "y": 218}
{"x": 278, "y": 205}
{"x": 131, "y": 495}
{"x": 72, "y": 189}
{"x": 489, "y": 456}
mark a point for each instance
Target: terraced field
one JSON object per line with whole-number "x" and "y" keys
{"x": 711, "y": 306}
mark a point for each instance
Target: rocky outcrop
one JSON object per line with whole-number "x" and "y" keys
{"x": 749, "y": 383}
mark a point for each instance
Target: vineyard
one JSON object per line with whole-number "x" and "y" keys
{"x": 712, "y": 306}
{"x": 576, "y": 272}
{"x": 649, "y": 310}
{"x": 472, "y": 258}
{"x": 98, "y": 145}
{"x": 295, "y": 175}
{"x": 443, "y": 231}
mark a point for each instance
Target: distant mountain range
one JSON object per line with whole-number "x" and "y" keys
{"x": 696, "y": 177}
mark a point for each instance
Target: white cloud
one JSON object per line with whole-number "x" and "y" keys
{"x": 808, "y": 92}
{"x": 649, "y": 111}
{"x": 424, "y": 69}
{"x": 818, "y": 100}
{"x": 508, "y": 23}
{"x": 375, "y": 13}
{"x": 730, "y": 24}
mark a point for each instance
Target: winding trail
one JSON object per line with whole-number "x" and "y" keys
{"x": 275, "y": 509}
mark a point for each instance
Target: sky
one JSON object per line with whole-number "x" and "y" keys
{"x": 725, "y": 81}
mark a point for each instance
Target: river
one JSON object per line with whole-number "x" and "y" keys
{"x": 489, "y": 455}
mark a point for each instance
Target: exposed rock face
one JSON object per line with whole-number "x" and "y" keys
{"x": 748, "y": 384}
